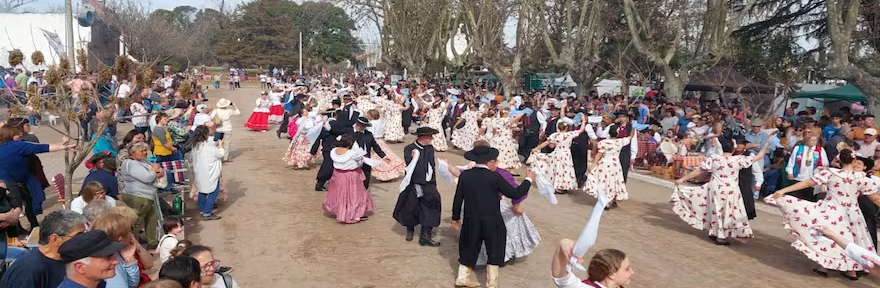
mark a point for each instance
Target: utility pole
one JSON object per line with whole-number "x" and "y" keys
{"x": 300, "y": 53}
{"x": 68, "y": 26}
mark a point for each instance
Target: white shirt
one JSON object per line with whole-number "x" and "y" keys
{"x": 377, "y": 127}
{"x": 806, "y": 171}
{"x": 275, "y": 98}
{"x": 200, "y": 120}
{"x": 207, "y": 165}
{"x": 219, "y": 282}
{"x": 139, "y": 112}
{"x": 167, "y": 243}
{"x": 123, "y": 91}
{"x": 571, "y": 281}
{"x": 78, "y": 204}
{"x": 225, "y": 116}
{"x": 349, "y": 161}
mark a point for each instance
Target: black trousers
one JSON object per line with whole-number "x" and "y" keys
{"x": 474, "y": 233}
{"x": 368, "y": 171}
{"x": 869, "y": 211}
{"x": 527, "y": 142}
{"x": 283, "y": 127}
{"x": 579, "y": 158}
{"x": 625, "y": 155}
{"x": 326, "y": 170}
{"x": 806, "y": 194}
{"x": 411, "y": 211}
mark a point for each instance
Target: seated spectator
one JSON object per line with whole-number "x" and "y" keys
{"x": 90, "y": 191}
{"x": 43, "y": 267}
{"x": 104, "y": 172}
{"x": 94, "y": 209}
{"x": 118, "y": 228}
{"x": 183, "y": 270}
{"x": 209, "y": 266}
{"x": 90, "y": 258}
{"x": 172, "y": 226}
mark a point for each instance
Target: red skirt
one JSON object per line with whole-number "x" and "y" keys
{"x": 259, "y": 121}
{"x": 346, "y": 196}
{"x": 276, "y": 110}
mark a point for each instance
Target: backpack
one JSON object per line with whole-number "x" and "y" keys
{"x": 227, "y": 279}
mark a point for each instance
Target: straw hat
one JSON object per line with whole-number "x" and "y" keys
{"x": 223, "y": 103}
{"x": 172, "y": 113}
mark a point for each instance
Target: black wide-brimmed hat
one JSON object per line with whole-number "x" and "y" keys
{"x": 621, "y": 113}
{"x": 364, "y": 121}
{"x": 481, "y": 154}
{"x": 330, "y": 111}
{"x": 425, "y": 131}
{"x": 336, "y": 102}
{"x": 741, "y": 139}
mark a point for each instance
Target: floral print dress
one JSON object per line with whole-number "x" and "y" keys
{"x": 839, "y": 211}
{"x": 465, "y": 137}
{"x": 435, "y": 120}
{"x": 608, "y": 173}
{"x": 506, "y": 145}
{"x": 717, "y": 205}
{"x": 557, "y": 165}
{"x": 392, "y": 115}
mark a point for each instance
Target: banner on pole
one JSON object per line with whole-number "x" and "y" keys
{"x": 55, "y": 43}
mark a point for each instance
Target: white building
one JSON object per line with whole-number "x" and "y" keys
{"x": 24, "y": 31}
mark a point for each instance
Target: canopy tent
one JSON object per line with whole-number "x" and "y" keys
{"x": 724, "y": 75}
{"x": 564, "y": 81}
{"x": 846, "y": 92}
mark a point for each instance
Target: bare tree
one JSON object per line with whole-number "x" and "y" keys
{"x": 843, "y": 18}
{"x": 150, "y": 37}
{"x": 9, "y": 6}
{"x": 572, "y": 31}
{"x": 663, "y": 30}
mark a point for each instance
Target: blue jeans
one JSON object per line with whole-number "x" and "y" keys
{"x": 771, "y": 179}
{"x": 174, "y": 156}
{"x": 206, "y": 201}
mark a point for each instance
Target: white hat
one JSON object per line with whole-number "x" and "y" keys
{"x": 201, "y": 107}
{"x": 871, "y": 131}
{"x": 453, "y": 91}
{"x": 223, "y": 103}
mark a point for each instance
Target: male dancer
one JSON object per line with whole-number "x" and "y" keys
{"x": 366, "y": 141}
{"x": 479, "y": 188}
{"x": 292, "y": 107}
{"x": 550, "y": 128}
{"x": 349, "y": 114}
{"x": 748, "y": 177}
{"x": 528, "y": 139}
{"x": 419, "y": 200}
{"x": 327, "y": 141}
{"x": 624, "y": 128}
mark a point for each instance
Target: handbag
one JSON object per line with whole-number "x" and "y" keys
{"x": 161, "y": 182}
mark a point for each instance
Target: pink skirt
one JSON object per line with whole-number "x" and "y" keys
{"x": 346, "y": 196}
{"x": 258, "y": 121}
{"x": 390, "y": 170}
{"x": 298, "y": 154}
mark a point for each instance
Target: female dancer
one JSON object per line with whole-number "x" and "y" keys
{"x": 298, "y": 154}
{"x": 504, "y": 141}
{"x": 464, "y": 137}
{"x": 393, "y": 167}
{"x": 717, "y": 205}
{"x": 558, "y": 165}
{"x": 839, "y": 211}
{"x": 276, "y": 110}
{"x": 522, "y": 237}
{"x": 609, "y": 268}
{"x": 392, "y": 111}
{"x": 434, "y": 120}
{"x": 259, "y": 120}
{"x": 605, "y": 171}
{"x": 346, "y": 196}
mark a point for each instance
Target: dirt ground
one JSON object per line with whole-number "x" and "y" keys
{"x": 275, "y": 234}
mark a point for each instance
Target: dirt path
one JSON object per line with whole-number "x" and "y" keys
{"x": 274, "y": 234}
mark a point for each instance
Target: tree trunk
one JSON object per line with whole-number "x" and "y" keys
{"x": 674, "y": 85}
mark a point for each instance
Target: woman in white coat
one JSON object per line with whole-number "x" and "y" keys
{"x": 208, "y": 164}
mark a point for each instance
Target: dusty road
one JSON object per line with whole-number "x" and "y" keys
{"x": 274, "y": 233}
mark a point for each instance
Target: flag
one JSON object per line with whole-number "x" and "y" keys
{"x": 55, "y": 43}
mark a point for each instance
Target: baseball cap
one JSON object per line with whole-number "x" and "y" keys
{"x": 870, "y": 131}
{"x": 94, "y": 243}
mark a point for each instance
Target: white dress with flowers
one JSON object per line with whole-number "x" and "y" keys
{"x": 717, "y": 205}
{"x": 608, "y": 172}
{"x": 839, "y": 211}
{"x": 558, "y": 164}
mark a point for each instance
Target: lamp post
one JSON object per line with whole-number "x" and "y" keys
{"x": 68, "y": 26}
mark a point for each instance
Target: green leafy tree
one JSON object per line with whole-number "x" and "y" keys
{"x": 260, "y": 33}
{"x": 327, "y": 32}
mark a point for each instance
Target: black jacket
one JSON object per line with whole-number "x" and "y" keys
{"x": 367, "y": 142}
{"x": 327, "y": 138}
{"x": 346, "y": 118}
{"x": 479, "y": 188}
{"x": 426, "y": 156}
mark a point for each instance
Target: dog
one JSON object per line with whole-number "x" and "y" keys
{"x": 53, "y": 119}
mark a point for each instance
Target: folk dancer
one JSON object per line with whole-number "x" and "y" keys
{"x": 483, "y": 223}
{"x": 366, "y": 142}
{"x": 419, "y": 201}
{"x": 326, "y": 141}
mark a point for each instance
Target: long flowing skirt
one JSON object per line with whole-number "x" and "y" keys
{"x": 710, "y": 207}
{"x": 388, "y": 170}
{"x": 276, "y": 113}
{"x": 258, "y": 121}
{"x": 346, "y": 196}
{"x": 464, "y": 138}
{"x": 439, "y": 140}
{"x": 507, "y": 157}
{"x": 298, "y": 154}
{"x": 394, "y": 128}
{"x": 799, "y": 216}
{"x": 522, "y": 237}
{"x": 609, "y": 175}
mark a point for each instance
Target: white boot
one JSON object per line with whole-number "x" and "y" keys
{"x": 492, "y": 276}
{"x": 464, "y": 277}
